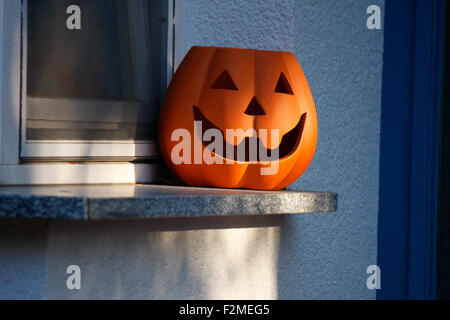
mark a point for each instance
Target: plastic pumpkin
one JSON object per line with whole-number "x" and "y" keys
{"x": 253, "y": 91}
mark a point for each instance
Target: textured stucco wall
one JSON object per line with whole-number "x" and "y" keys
{"x": 320, "y": 255}
{"x": 304, "y": 256}
{"x": 342, "y": 61}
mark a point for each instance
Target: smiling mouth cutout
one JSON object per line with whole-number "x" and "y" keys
{"x": 288, "y": 144}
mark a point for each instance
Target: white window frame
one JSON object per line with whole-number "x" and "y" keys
{"x": 14, "y": 171}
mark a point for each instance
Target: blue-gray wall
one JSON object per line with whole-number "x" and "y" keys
{"x": 343, "y": 63}
{"x": 303, "y": 256}
{"x": 321, "y": 255}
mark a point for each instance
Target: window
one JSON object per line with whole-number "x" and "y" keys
{"x": 93, "y": 93}
{"x": 81, "y": 106}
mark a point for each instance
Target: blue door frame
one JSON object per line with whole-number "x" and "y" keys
{"x": 409, "y": 164}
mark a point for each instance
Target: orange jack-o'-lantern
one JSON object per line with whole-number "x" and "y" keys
{"x": 238, "y": 118}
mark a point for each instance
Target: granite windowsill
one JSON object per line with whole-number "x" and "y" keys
{"x": 98, "y": 202}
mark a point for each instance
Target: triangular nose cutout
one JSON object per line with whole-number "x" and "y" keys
{"x": 254, "y": 108}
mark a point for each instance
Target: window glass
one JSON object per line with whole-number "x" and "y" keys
{"x": 101, "y": 82}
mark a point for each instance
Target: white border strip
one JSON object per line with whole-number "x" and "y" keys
{"x": 179, "y": 32}
{"x": 80, "y": 173}
{"x": 10, "y": 29}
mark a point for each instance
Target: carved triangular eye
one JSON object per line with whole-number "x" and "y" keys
{"x": 283, "y": 85}
{"x": 224, "y": 81}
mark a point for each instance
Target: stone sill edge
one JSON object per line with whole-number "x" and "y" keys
{"x": 25, "y": 206}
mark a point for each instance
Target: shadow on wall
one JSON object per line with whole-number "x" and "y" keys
{"x": 167, "y": 258}
{"x": 22, "y": 259}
